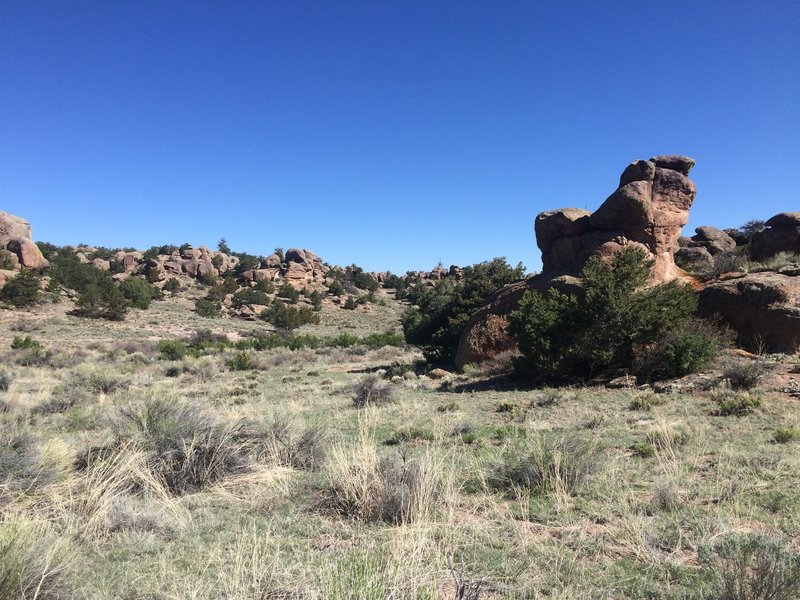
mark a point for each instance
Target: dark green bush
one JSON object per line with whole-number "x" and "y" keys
{"x": 208, "y": 308}
{"x": 336, "y": 288}
{"x": 102, "y": 300}
{"x": 287, "y": 291}
{"x": 785, "y": 435}
{"x": 138, "y": 292}
{"x": 249, "y": 296}
{"x": 288, "y": 317}
{"x": 565, "y": 337}
{"x": 438, "y": 314}
{"x": 386, "y": 338}
{"x": 172, "y": 349}
{"x": 172, "y": 286}
{"x": 688, "y": 348}
{"x": 241, "y": 361}
{"x": 22, "y": 290}
{"x": 25, "y": 343}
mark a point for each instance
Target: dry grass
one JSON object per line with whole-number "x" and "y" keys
{"x": 176, "y": 479}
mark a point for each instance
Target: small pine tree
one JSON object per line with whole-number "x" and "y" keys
{"x": 22, "y": 290}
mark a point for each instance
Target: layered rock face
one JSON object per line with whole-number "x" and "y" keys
{"x": 648, "y": 210}
{"x": 782, "y": 234}
{"x": 15, "y": 239}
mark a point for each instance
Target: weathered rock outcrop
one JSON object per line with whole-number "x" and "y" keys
{"x": 763, "y": 308}
{"x": 782, "y": 234}
{"x": 648, "y": 211}
{"x": 15, "y": 237}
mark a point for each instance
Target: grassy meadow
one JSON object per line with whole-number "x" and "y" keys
{"x": 131, "y": 472}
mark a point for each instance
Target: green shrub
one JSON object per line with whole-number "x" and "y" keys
{"x": 241, "y": 361}
{"x": 25, "y": 343}
{"x": 208, "y": 308}
{"x": 137, "y": 292}
{"x": 288, "y": 317}
{"x": 287, "y": 291}
{"x": 688, "y": 348}
{"x": 386, "y": 338}
{"x": 344, "y": 340}
{"x": 564, "y": 337}
{"x": 336, "y": 288}
{"x": 265, "y": 286}
{"x": 743, "y": 374}
{"x": 102, "y": 300}
{"x": 644, "y": 449}
{"x": 22, "y": 290}
{"x": 172, "y": 286}
{"x": 736, "y": 404}
{"x": 438, "y": 314}
{"x": 316, "y": 300}
{"x": 752, "y": 567}
{"x": 249, "y": 296}
{"x": 172, "y": 349}
{"x": 785, "y": 435}
{"x": 350, "y": 303}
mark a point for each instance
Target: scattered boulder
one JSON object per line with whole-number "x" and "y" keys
{"x": 15, "y": 236}
{"x": 694, "y": 259}
{"x": 714, "y": 240}
{"x": 781, "y": 234}
{"x": 648, "y": 211}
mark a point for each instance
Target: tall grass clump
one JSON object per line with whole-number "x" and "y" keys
{"x": 187, "y": 447}
{"x": 290, "y": 445}
{"x": 553, "y": 465}
{"x": 23, "y": 466}
{"x": 395, "y": 489}
{"x": 33, "y": 562}
{"x": 373, "y": 390}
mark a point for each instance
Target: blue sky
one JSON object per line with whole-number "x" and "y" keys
{"x": 390, "y": 134}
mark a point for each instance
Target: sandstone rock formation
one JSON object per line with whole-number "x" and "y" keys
{"x": 782, "y": 234}
{"x": 15, "y": 236}
{"x": 648, "y": 210}
{"x": 763, "y": 308}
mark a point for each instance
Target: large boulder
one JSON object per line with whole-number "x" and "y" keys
{"x": 714, "y": 240}
{"x": 760, "y": 307}
{"x": 648, "y": 210}
{"x": 15, "y": 236}
{"x": 781, "y": 234}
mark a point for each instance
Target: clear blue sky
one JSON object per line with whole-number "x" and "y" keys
{"x": 390, "y": 134}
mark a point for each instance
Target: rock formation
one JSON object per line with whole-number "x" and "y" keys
{"x": 648, "y": 210}
{"x": 15, "y": 238}
{"x": 763, "y": 308}
{"x": 782, "y": 234}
